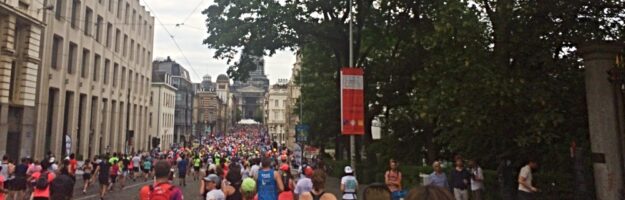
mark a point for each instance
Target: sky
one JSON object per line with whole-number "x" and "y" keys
{"x": 189, "y": 36}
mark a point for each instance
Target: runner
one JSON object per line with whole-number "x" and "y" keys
{"x": 41, "y": 181}
{"x": 136, "y": 163}
{"x": 103, "y": 172}
{"x": 147, "y": 168}
{"x": 87, "y": 169}
{"x": 270, "y": 182}
{"x": 304, "y": 184}
{"x": 287, "y": 181}
{"x": 197, "y": 164}
{"x": 183, "y": 167}
{"x": 213, "y": 192}
{"x": 349, "y": 184}
{"x": 161, "y": 188}
{"x": 318, "y": 192}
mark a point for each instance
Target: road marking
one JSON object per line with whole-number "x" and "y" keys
{"x": 97, "y": 195}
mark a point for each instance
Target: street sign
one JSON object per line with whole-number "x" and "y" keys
{"x": 352, "y": 101}
{"x": 301, "y": 132}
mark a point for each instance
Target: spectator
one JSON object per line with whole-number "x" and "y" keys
{"x": 429, "y": 193}
{"x": 318, "y": 192}
{"x": 438, "y": 178}
{"x": 349, "y": 184}
{"x": 526, "y": 189}
{"x": 477, "y": 180}
{"x": 460, "y": 179}
{"x": 392, "y": 178}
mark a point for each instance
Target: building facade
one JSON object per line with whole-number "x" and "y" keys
{"x": 276, "y": 112}
{"x": 185, "y": 91}
{"x": 293, "y": 99}
{"x": 162, "y": 110}
{"x": 250, "y": 93}
{"x": 94, "y": 83}
{"x": 21, "y": 29}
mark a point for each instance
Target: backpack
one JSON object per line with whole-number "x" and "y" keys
{"x": 42, "y": 181}
{"x": 162, "y": 191}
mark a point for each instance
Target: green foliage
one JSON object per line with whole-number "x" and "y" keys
{"x": 487, "y": 79}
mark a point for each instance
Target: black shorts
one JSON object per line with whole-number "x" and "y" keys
{"x": 113, "y": 178}
{"x": 196, "y": 169}
{"x": 103, "y": 180}
{"x": 86, "y": 176}
{"x": 136, "y": 169}
{"x": 17, "y": 184}
{"x": 146, "y": 170}
{"x": 182, "y": 175}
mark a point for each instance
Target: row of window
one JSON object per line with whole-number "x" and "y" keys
{"x": 129, "y": 49}
{"x": 168, "y": 120}
{"x": 140, "y": 83}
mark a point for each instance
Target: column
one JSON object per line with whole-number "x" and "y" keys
{"x": 113, "y": 129}
{"x": 599, "y": 58}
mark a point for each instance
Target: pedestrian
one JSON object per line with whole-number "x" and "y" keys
{"x": 349, "y": 184}
{"x": 248, "y": 189}
{"x": 232, "y": 186}
{"x": 41, "y": 181}
{"x": 376, "y": 191}
{"x": 103, "y": 172}
{"x": 183, "y": 167}
{"x": 304, "y": 184}
{"x": 318, "y": 192}
{"x": 429, "y": 192}
{"x": 460, "y": 180}
{"x": 438, "y": 178}
{"x": 477, "y": 180}
{"x": 269, "y": 182}
{"x": 526, "y": 187}
{"x": 161, "y": 188}
{"x": 87, "y": 169}
{"x": 287, "y": 181}
{"x": 62, "y": 187}
{"x": 212, "y": 192}
{"x": 393, "y": 178}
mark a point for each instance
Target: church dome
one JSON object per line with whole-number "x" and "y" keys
{"x": 223, "y": 78}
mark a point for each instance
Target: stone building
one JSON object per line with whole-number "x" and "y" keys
{"x": 94, "y": 83}
{"x": 162, "y": 103}
{"x": 250, "y": 93}
{"x": 21, "y": 29}
{"x": 293, "y": 99}
{"x": 185, "y": 91}
{"x": 275, "y": 112}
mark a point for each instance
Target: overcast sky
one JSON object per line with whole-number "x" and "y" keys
{"x": 190, "y": 35}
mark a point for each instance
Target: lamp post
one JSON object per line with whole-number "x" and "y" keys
{"x": 352, "y": 138}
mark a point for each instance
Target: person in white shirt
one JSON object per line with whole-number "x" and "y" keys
{"x": 526, "y": 189}
{"x": 211, "y": 185}
{"x": 349, "y": 184}
{"x": 477, "y": 180}
{"x": 304, "y": 184}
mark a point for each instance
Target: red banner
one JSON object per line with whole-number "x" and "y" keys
{"x": 352, "y": 101}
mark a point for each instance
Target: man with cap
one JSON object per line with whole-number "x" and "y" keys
{"x": 304, "y": 184}
{"x": 248, "y": 189}
{"x": 161, "y": 186}
{"x": 349, "y": 184}
{"x": 212, "y": 180}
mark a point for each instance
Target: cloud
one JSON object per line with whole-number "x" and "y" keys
{"x": 189, "y": 35}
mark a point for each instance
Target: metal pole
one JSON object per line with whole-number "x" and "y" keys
{"x": 352, "y": 138}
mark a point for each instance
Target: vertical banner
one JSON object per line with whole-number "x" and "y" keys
{"x": 352, "y": 101}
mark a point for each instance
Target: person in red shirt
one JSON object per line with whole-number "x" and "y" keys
{"x": 73, "y": 165}
{"x": 42, "y": 194}
{"x": 3, "y": 191}
{"x": 161, "y": 184}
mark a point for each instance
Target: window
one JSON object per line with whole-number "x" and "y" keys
{"x": 149, "y": 58}
{"x": 96, "y": 67}
{"x": 115, "y": 75}
{"x": 124, "y": 52}
{"x": 57, "y": 49}
{"x": 71, "y": 58}
{"x": 109, "y": 31}
{"x": 107, "y": 65}
{"x": 118, "y": 34}
{"x": 98, "y": 28}
{"x": 75, "y": 13}
{"x": 123, "y": 81}
{"x": 137, "y": 50}
{"x": 139, "y": 23}
{"x": 127, "y": 13}
{"x": 58, "y": 9}
{"x": 277, "y": 103}
{"x": 119, "y": 9}
{"x": 134, "y": 15}
{"x": 88, "y": 21}
{"x": 85, "y": 63}
{"x": 130, "y": 83}
{"x": 132, "y": 49}
{"x": 110, "y": 5}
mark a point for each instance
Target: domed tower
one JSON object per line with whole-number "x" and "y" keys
{"x": 223, "y": 85}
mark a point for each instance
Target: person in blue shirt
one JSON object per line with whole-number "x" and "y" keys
{"x": 269, "y": 182}
{"x": 183, "y": 166}
{"x": 438, "y": 178}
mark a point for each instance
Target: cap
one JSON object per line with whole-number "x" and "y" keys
{"x": 308, "y": 171}
{"x": 348, "y": 170}
{"x": 248, "y": 185}
{"x": 284, "y": 167}
{"x": 52, "y": 159}
{"x": 212, "y": 178}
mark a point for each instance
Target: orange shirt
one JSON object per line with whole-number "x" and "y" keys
{"x": 72, "y": 165}
{"x": 2, "y": 195}
{"x": 46, "y": 192}
{"x": 144, "y": 194}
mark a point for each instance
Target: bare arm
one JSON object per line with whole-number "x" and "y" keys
{"x": 342, "y": 187}
{"x": 278, "y": 179}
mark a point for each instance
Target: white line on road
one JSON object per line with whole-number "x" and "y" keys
{"x": 97, "y": 195}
